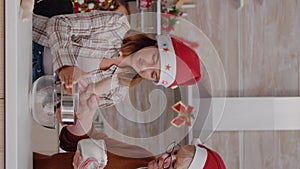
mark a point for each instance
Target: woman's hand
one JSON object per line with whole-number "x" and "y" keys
{"x": 77, "y": 159}
{"x": 88, "y": 102}
{"x": 69, "y": 75}
{"x": 88, "y": 105}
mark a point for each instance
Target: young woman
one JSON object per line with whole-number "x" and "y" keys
{"x": 85, "y": 42}
{"x": 95, "y": 45}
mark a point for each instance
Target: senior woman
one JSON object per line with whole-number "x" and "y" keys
{"x": 99, "y": 41}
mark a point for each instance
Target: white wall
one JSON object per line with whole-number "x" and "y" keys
{"x": 260, "y": 114}
{"x": 251, "y": 114}
{"x": 17, "y": 82}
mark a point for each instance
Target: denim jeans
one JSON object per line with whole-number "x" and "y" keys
{"x": 46, "y": 8}
{"x": 37, "y": 61}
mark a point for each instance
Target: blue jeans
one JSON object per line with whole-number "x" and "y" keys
{"x": 37, "y": 61}
{"x": 46, "y": 8}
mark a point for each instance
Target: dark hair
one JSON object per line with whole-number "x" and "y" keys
{"x": 131, "y": 44}
{"x": 125, "y": 5}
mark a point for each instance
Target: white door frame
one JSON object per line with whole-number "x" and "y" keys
{"x": 18, "y": 37}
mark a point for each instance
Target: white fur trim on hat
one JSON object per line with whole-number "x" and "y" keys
{"x": 199, "y": 159}
{"x": 167, "y": 60}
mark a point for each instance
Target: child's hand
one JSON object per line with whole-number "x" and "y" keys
{"x": 69, "y": 75}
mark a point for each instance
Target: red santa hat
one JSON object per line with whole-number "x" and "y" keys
{"x": 205, "y": 158}
{"x": 179, "y": 63}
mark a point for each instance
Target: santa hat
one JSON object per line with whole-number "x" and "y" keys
{"x": 205, "y": 158}
{"x": 180, "y": 65}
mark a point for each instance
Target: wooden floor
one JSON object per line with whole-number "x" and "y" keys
{"x": 258, "y": 44}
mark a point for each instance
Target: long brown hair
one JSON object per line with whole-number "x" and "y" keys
{"x": 132, "y": 43}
